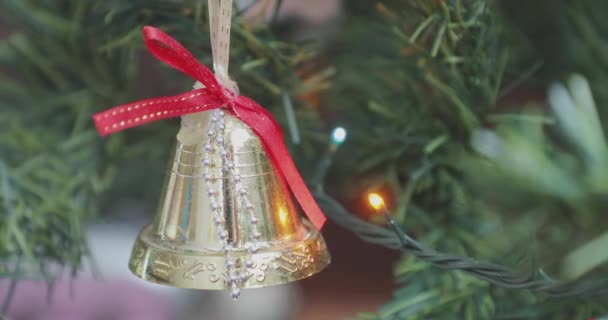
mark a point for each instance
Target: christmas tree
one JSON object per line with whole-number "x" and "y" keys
{"x": 480, "y": 123}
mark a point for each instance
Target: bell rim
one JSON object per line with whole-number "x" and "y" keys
{"x": 205, "y": 270}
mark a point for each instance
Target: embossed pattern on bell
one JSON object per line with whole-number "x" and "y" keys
{"x": 182, "y": 247}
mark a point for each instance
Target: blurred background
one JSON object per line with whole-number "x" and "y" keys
{"x": 480, "y": 123}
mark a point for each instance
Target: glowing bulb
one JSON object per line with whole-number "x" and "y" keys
{"x": 338, "y": 136}
{"x": 375, "y": 200}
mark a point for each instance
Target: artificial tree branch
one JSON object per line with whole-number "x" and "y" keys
{"x": 496, "y": 274}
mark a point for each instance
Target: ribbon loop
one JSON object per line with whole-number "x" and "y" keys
{"x": 172, "y": 53}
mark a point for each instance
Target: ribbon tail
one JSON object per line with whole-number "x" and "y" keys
{"x": 137, "y": 113}
{"x": 262, "y": 123}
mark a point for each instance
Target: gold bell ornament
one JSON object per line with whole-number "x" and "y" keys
{"x": 226, "y": 219}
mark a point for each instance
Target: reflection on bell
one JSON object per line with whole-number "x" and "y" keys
{"x": 226, "y": 220}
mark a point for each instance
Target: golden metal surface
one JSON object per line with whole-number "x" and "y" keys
{"x": 182, "y": 247}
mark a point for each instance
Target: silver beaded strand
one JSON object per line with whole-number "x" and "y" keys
{"x": 214, "y": 205}
{"x": 243, "y": 195}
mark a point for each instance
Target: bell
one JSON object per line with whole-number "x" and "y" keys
{"x": 226, "y": 220}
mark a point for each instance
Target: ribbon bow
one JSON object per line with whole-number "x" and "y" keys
{"x": 212, "y": 96}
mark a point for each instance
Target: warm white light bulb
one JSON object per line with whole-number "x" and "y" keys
{"x": 375, "y": 200}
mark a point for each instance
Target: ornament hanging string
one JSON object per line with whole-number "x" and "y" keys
{"x": 220, "y": 15}
{"x": 219, "y": 91}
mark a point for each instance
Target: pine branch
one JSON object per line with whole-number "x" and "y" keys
{"x": 432, "y": 81}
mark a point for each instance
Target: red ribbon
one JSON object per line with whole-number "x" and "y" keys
{"x": 213, "y": 96}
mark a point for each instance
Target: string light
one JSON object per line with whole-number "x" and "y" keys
{"x": 376, "y": 201}
{"x": 338, "y": 136}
